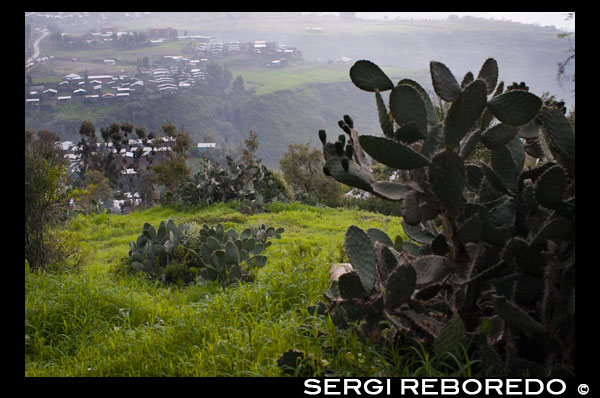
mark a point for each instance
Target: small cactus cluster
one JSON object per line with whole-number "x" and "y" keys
{"x": 493, "y": 261}
{"x": 252, "y": 184}
{"x": 227, "y": 256}
{"x": 154, "y": 249}
{"x": 213, "y": 254}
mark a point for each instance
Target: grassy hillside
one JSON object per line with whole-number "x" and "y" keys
{"x": 101, "y": 323}
{"x": 266, "y": 81}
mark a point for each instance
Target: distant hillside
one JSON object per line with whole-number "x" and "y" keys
{"x": 524, "y": 52}
{"x": 279, "y": 118}
{"x": 295, "y": 103}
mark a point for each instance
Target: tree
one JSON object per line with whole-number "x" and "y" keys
{"x": 182, "y": 144}
{"x": 249, "y": 150}
{"x": 46, "y": 199}
{"x": 562, "y": 66}
{"x": 97, "y": 186}
{"x": 170, "y": 173}
{"x": 127, "y": 128}
{"x": 47, "y": 148}
{"x": 140, "y": 132}
{"x": 146, "y": 187}
{"x": 227, "y": 77}
{"x": 169, "y": 130}
{"x": 302, "y": 167}
{"x": 218, "y": 78}
{"x": 237, "y": 87}
{"x": 91, "y": 158}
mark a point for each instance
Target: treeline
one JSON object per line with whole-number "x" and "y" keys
{"x": 281, "y": 118}
{"x": 164, "y": 169}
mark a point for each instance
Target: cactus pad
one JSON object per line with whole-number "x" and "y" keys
{"x": 369, "y": 77}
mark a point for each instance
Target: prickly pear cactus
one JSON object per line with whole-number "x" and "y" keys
{"x": 254, "y": 185}
{"x": 216, "y": 254}
{"x": 227, "y": 256}
{"x": 494, "y": 258}
{"x": 154, "y": 249}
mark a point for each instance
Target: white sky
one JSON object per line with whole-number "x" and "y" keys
{"x": 541, "y": 18}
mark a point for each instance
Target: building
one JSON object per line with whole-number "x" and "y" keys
{"x": 50, "y": 92}
{"x": 203, "y": 146}
{"x": 158, "y": 33}
{"x": 109, "y": 29}
{"x": 92, "y": 98}
{"x": 100, "y": 78}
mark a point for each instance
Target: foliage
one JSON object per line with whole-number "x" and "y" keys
{"x": 98, "y": 190}
{"x": 170, "y": 173}
{"x": 249, "y": 150}
{"x": 180, "y": 253}
{"x": 93, "y": 322}
{"x": 495, "y": 262}
{"x": 301, "y": 166}
{"x": 155, "y": 250}
{"x": 91, "y": 158}
{"x": 229, "y": 257}
{"x": 47, "y": 198}
{"x": 253, "y": 182}
{"x": 66, "y": 250}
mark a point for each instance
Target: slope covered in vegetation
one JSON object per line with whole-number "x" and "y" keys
{"x": 102, "y": 322}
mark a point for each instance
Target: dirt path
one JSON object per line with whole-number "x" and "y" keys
{"x": 36, "y": 47}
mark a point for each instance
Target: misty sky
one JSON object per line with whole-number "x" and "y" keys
{"x": 541, "y": 18}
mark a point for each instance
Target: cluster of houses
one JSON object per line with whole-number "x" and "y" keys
{"x": 181, "y": 74}
{"x": 96, "y": 88}
{"x": 271, "y": 53}
{"x": 134, "y": 155}
{"x": 178, "y": 74}
{"x": 105, "y": 89}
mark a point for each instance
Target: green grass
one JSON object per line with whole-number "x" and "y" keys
{"x": 268, "y": 80}
{"x": 100, "y": 322}
{"x": 158, "y": 50}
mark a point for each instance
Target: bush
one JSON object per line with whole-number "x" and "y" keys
{"x": 373, "y": 204}
{"x": 47, "y": 197}
{"x": 66, "y": 250}
{"x": 301, "y": 166}
{"x": 183, "y": 253}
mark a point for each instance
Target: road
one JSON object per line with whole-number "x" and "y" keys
{"x": 36, "y": 47}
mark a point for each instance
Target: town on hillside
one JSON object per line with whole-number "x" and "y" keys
{"x": 167, "y": 74}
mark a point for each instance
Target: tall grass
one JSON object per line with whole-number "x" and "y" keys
{"x": 101, "y": 322}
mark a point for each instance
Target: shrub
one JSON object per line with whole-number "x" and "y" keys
{"x": 301, "y": 166}
{"x": 213, "y": 183}
{"x": 47, "y": 196}
{"x": 66, "y": 250}
{"x": 182, "y": 253}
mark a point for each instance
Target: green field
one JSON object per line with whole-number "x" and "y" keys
{"x": 99, "y": 322}
{"x": 167, "y": 48}
{"x": 269, "y": 80}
